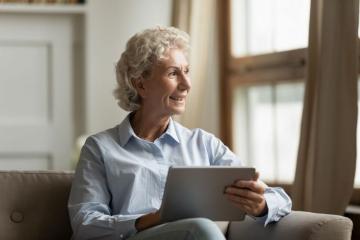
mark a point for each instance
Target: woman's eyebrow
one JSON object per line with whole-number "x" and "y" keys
{"x": 177, "y": 67}
{"x": 172, "y": 66}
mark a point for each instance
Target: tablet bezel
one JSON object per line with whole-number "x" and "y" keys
{"x": 205, "y": 187}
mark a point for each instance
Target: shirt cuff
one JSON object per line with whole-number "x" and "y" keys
{"x": 272, "y": 205}
{"x": 126, "y": 229}
{"x": 263, "y": 218}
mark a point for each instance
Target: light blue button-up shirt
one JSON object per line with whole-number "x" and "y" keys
{"x": 121, "y": 177}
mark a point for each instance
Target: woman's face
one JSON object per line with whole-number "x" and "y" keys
{"x": 164, "y": 91}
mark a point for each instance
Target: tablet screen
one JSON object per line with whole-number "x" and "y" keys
{"x": 199, "y": 192}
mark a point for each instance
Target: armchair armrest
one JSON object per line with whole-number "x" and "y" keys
{"x": 295, "y": 226}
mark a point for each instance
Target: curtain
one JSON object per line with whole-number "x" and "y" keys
{"x": 195, "y": 17}
{"x": 327, "y": 152}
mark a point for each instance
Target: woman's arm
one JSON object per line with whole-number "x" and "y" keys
{"x": 254, "y": 193}
{"x": 248, "y": 196}
{"x": 90, "y": 214}
{"x": 147, "y": 221}
{"x": 258, "y": 200}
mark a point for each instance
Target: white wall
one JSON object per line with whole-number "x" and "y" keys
{"x": 109, "y": 24}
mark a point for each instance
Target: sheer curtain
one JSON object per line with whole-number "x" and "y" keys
{"x": 194, "y": 17}
{"x": 327, "y": 152}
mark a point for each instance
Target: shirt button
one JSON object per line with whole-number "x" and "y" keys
{"x": 121, "y": 236}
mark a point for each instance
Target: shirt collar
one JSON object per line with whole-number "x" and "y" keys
{"x": 171, "y": 131}
{"x": 126, "y": 131}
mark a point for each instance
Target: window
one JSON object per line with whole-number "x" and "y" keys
{"x": 263, "y": 85}
{"x": 265, "y": 26}
{"x": 264, "y": 137}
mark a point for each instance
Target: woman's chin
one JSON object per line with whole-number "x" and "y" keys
{"x": 178, "y": 111}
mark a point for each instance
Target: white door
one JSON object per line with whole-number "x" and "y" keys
{"x": 36, "y": 125}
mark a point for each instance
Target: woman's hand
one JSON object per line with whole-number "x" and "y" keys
{"x": 147, "y": 221}
{"x": 248, "y": 196}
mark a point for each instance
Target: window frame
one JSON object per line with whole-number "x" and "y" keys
{"x": 285, "y": 66}
{"x": 270, "y": 68}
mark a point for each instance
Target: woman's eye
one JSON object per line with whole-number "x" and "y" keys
{"x": 172, "y": 74}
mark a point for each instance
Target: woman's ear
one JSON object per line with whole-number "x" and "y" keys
{"x": 139, "y": 86}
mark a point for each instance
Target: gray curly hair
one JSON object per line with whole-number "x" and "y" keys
{"x": 142, "y": 51}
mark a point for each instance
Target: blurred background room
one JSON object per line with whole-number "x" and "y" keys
{"x": 249, "y": 65}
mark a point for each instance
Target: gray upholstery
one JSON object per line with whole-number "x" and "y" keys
{"x": 295, "y": 226}
{"x": 33, "y": 206}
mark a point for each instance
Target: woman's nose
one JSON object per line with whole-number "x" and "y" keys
{"x": 185, "y": 81}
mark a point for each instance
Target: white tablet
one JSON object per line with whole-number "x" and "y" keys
{"x": 199, "y": 192}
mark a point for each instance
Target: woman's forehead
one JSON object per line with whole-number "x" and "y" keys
{"x": 174, "y": 57}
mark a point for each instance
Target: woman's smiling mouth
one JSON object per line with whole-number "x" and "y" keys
{"x": 177, "y": 99}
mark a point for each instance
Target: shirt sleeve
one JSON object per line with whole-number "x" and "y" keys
{"x": 89, "y": 211}
{"x": 279, "y": 205}
{"x": 278, "y": 202}
{"x": 218, "y": 152}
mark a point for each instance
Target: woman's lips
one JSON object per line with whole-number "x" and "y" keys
{"x": 178, "y": 99}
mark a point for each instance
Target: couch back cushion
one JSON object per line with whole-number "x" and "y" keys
{"x": 33, "y": 205}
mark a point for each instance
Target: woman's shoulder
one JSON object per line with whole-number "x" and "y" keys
{"x": 103, "y": 137}
{"x": 195, "y": 132}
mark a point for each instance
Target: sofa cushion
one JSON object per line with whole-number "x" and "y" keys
{"x": 34, "y": 205}
{"x": 297, "y": 225}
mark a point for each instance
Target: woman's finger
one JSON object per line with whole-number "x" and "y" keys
{"x": 255, "y": 186}
{"x": 248, "y": 206}
{"x": 245, "y": 208}
{"x": 244, "y": 193}
{"x": 241, "y": 201}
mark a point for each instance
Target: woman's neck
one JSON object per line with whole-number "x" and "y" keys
{"x": 148, "y": 126}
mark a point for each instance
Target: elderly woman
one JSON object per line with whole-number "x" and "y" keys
{"x": 121, "y": 174}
